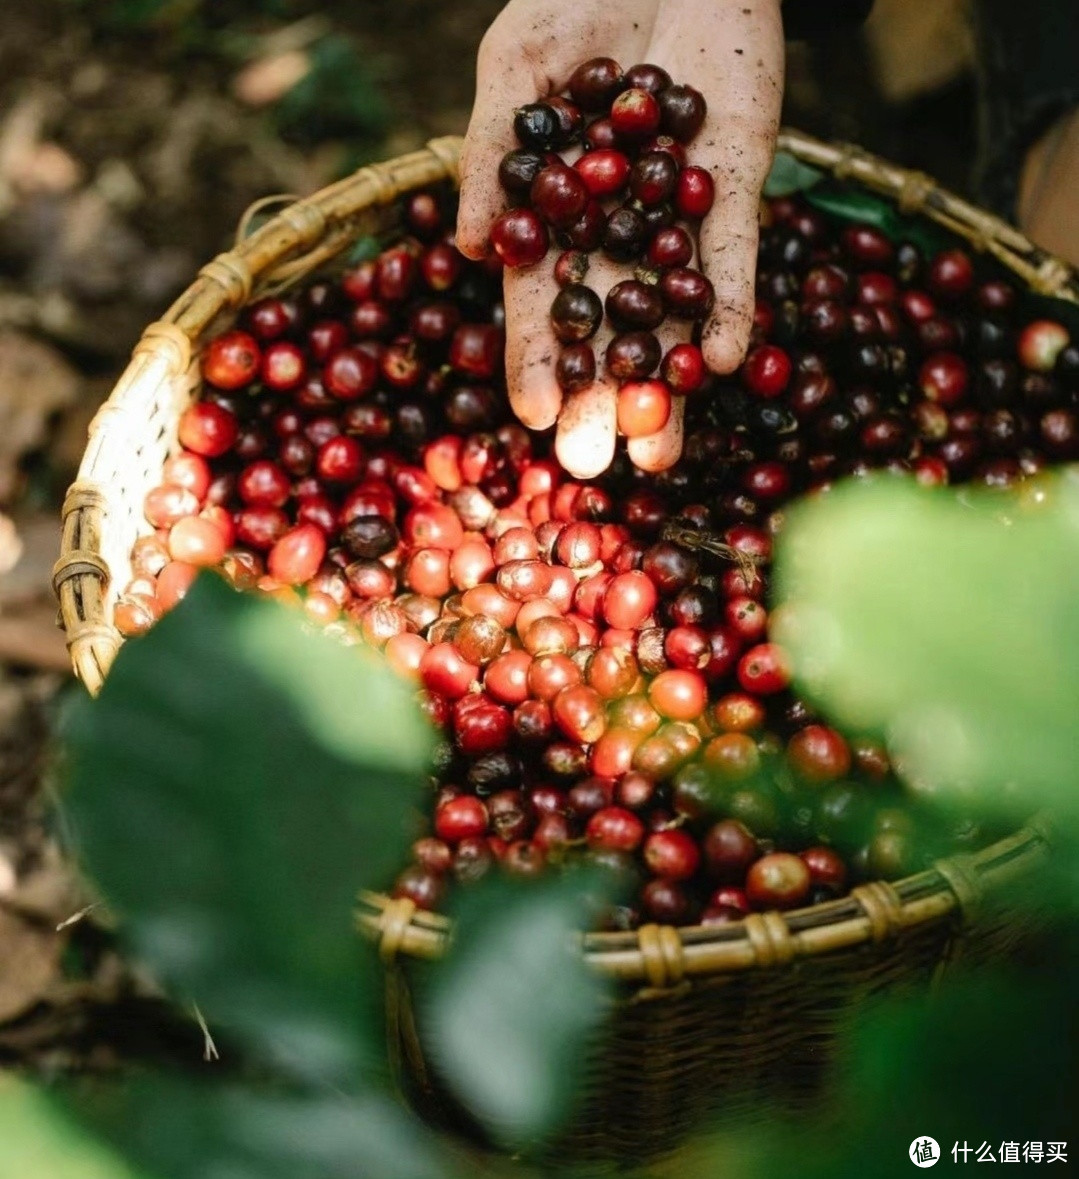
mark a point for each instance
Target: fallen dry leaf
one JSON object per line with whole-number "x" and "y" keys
{"x": 11, "y": 547}
{"x": 271, "y": 78}
{"x": 35, "y": 382}
{"x": 29, "y": 542}
{"x": 28, "y": 966}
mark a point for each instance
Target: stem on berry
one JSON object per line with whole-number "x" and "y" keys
{"x": 688, "y": 536}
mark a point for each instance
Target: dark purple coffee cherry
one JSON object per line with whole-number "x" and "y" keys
{"x": 632, "y": 305}
{"x": 624, "y": 235}
{"x": 633, "y": 356}
{"x": 576, "y": 367}
{"x": 576, "y": 313}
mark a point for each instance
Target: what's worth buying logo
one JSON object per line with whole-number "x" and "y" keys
{"x": 924, "y": 1152}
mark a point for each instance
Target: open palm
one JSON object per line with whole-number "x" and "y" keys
{"x": 730, "y": 50}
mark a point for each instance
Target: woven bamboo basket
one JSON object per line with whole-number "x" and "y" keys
{"x": 738, "y": 1017}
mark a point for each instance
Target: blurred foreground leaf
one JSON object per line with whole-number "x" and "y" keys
{"x": 195, "y": 1128}
{"x": 987, "y": 1060}
{"x": 951, "y": 624}
{"x": 507, "y": 1015}
{"x": 37, "y": 1141}
{"x": 234, "y": 784}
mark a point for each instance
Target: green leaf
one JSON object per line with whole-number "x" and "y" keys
{"x": 850, "y": 202}
{"x": 788, "y": 174}
{"x": 37, "y": 1140}
{"x": 507, "y": 1015}
{"x": 984, "y": 1061}
{"x": 234, "y": 784}
{"x": 187, "y": 1128}
{"x": 948, "y": 622}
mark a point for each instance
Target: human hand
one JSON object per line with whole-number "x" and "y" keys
{"x": 730, "y": 50}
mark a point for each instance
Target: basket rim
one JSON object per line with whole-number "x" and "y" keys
{"x": 305, "y": 235}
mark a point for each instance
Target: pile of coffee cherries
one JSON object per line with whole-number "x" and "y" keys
{"x": 631, "y": 195}
{"x": 596, "y": 655}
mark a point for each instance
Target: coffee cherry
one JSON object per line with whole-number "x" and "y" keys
{"x": 653, "y": 177}
{"x": 615, "y": 829}
{"x": 578, "y": 712}
{"x": 643, "y": 408}
{"x": 197, "y": 541}
{"x": 732, "y": 756}
{"x": 445, "y": 671}
{"x": 575, "y": 368}
{"x": 694, "y": 194}
{"x": 548, "y": 675}
{"x": 666, "y": 901}
{"x": 951, "y": 274}
{"x": 766, "y": 371}
{"x": 729, "y": 849}
{"x": 576, "y": 313}
{"x": 586, "y": 233}
{"x": 746, "y": 617}
{"x": 559, "y": 195}
{"x": 738, "y": 712}
{"x": 943, "y": 378}
{"x": 520, "y": 238}
{"x": 297, "y": 555}
{"x": 594, "y": 84}
{"x": 1040, "y": 343}
{"x": 207, "y": 429}
{"x": 687, "y": 294}
{"x": 571, "y": 266}
{"x": 536, "y": 126}
{"x": 628, "y": 600}
{"x": 764, "y": 669}
{"x": 672, "y": 854}
{"x": 826, "y": 868}
{"x": 570, "y": 119}
{"x": 633, "y": 356}
{"x": 624, "y": 235}
{"x": 682, "y": 111}
{"x": 648, "y": 77}
{"x": 231, "y": 360}
{"x": 819, "y": 754}
{"x": 460, "y": 818}
{"x": 605, "y": 172}
{"x": 679, "y": 694}
{"x": 476, "y": 350}
{"x": 670, "y": 248}
{"x": 167, "y": 504}
{"x": 683, "y": 369}
{"x": 350, "y": 373}
{"x": 635, "y": 114}
{"x": 777, "y": 881}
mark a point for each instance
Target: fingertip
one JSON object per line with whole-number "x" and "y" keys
{"x": 471, "y": 240}
{"x": 724, "y": 341}
{"x": 659, "y": 451}
{"x": 587, "y": 432}
{"x": 536, "y": 398}
{"x": 531, "y": 350}
{"x": 474, "y": 218}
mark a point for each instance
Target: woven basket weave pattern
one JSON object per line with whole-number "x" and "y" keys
{"x": 706, "y": 1016}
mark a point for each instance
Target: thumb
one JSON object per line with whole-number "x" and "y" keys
{"x": 504, "y": 81}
